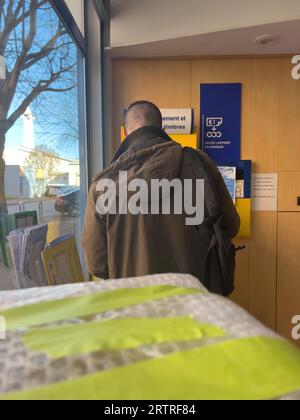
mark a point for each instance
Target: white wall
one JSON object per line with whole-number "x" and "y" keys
{"x": 95, "y": 92}
{"x": 77, "y": 9}
{"x": 12, "y": 181}
{"x": 141, "y": 21}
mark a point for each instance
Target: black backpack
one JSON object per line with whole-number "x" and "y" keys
{"x": 220, "y": 258}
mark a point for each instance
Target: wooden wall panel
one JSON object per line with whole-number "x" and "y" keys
{"x": 288, "y": 292}
{"x": 263, "y": 267}
{"x": 289, "y": 145}
{"x": 289, "y": 191}
{"x": 288, "y": 271}
{"x": 166, "y": 83}
{"x": 264, "y": 126}
{"x": 263, "y": 151}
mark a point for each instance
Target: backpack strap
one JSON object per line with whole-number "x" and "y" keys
{"x": 211, "y": 201}
{"x": 220, "y": 258}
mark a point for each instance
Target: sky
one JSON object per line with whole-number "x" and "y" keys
{"x": 52, "y": 127}
{"x": 15, "y": 138}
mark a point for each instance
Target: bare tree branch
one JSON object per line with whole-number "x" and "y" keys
{"x": 1, "y": 8}
{"x": 57, "y": 90}
{"x": 14, "y": 76}
{"x": 25, "y": 15}
{"x": 42, "y": 86}
{"x": 13, "y": 20}
{"x": 33, "y": 58}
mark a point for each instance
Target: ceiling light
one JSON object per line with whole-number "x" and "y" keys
{"x": 267, "y": 40}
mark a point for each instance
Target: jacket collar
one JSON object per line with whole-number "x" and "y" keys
{"x": 140, "y": 139}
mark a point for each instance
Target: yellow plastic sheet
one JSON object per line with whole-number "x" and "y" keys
{"x": 251, "y": 369}
{"x": 116, "y": 334}
{"x": 44, "y": 313}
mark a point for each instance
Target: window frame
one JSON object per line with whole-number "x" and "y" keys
{"x": 102, "y": 9}
{"x": 66, "y": 16}
{"x": 80, "y": 40}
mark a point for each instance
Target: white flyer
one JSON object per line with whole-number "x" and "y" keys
{"x": 265, "y": 192}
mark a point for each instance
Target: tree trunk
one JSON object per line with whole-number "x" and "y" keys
{"x": 3, "y": 203}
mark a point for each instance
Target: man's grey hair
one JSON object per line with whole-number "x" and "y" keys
{"x": 142, "y": 114}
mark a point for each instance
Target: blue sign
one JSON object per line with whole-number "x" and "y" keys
{"x": 221, "y": 116}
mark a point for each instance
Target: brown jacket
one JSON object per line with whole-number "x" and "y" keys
{"x": 119, "y": 246}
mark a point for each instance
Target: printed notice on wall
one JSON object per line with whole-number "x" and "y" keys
{"x": 178, "y": 121}
{"x": 264, "y": 192}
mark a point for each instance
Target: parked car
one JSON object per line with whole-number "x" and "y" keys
{"x": 69, "y": 202}
{"x": 53, "y": 190}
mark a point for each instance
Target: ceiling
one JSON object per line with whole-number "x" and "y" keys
{"x": 154, "y": 28}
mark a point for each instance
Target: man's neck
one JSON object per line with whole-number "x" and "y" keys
{"x": 141, "y": 138}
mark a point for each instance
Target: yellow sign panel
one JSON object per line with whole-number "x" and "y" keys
{"x": 40, "y": 174}
{"x": 189, "y": 140}
{"x": 186, "y": 140}
{"x": 243, "y": 206}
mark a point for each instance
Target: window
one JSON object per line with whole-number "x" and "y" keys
{"x": 42, "y": 111}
